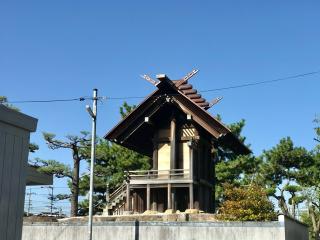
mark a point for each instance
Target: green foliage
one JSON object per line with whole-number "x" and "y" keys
{"x": 232, "y": 168}
{"x": 58, "y": 169}
{"x": 112, "y": 162}
{"x": 84, "y": 206}
{"x": 283, "y": 166}
{"x": 33, "y": 147}
{"x": 317, "y": 131}
{"x": 125, "y": 109}
{"x": 76, "y": 144}
{"x": 305, "y": 218}
{"x": 246, "y": 203}
{"x": 284, "y": 162}
{"x": 4, "y": 101}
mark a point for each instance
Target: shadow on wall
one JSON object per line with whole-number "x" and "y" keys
{"x": 136, "y": 230}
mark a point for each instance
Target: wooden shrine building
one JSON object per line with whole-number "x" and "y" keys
{"x": 173, "y": 127}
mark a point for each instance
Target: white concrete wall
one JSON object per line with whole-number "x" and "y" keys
{"x": 284, "y": 229}
{"x": 14, "y": 141}
{"x": 157, "y": 230}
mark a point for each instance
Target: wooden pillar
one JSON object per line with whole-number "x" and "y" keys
{"x": 134, "y": 203}
{"x": 155, "y": 152}
{"x": 155, "y": 158}
{"x": 199, "y": 160}
{"x": 169, "y": 196}
{"x": 191, "y": 196}
{"x": 128, "y": 208}
{"x": 191, "y": 160}
{"x": 148, "y": 196}
{"x": 173, "y": 199}
{"x": 173, "y": 143}
{"x": 154, "y": 206}
{"x": 215, "y": 159}
{"x": 200, "y": 196}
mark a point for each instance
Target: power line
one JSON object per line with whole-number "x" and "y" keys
{"x": 122, "y": 98}
{"x": 262, "y": 82}
{"x": 141, "y": 97}
{"x": 49, "y": 101}
{"x": 237, "y": 86}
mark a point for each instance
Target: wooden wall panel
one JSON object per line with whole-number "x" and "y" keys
{"x": 14, "y": 142}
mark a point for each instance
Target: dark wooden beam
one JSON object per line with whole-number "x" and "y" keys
{"x": 173, "y": 143}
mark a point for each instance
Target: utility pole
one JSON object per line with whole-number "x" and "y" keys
{"x": 51, "y": 198}
{"x": 29, "y": 201}
{"x": 93, "y": 114}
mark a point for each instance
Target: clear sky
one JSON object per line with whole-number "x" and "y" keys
{"x": 64, "y": 49}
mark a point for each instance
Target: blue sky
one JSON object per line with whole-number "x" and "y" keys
{"x": 64, "y": 49}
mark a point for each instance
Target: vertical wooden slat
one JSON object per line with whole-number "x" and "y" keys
{"x": 5, "y": 186}
{"x": 2, "y": 152}
{"x": 14, "y": 188}
{"x": 2, "y": 170}
{"x": 24, "y": 152}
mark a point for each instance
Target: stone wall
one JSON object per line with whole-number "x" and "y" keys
{"x": 138, "y": 230}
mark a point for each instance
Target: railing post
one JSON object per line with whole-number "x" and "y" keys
{"x": 128, "y": 198}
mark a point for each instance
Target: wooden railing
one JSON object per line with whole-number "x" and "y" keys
{"x": 159, "y": 174}
{"x": 117, "y": 192}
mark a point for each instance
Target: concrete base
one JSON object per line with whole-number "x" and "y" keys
{"x": 192, "y": 211}
{"x": 169, "y": 211}
{"x": 106, "y": 212}
{"x": 127, "y": 212}
{"x": 149, "y": 216}
{"x": 148, "y": 212}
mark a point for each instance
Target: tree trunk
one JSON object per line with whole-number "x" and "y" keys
{"x": 315, "y": 224}
{"x": 293, "y": 209}
{"x": 75, "y": 183}
{"x": 283, "y": 206}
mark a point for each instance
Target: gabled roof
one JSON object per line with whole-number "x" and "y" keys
{"x": 132, "y": 131}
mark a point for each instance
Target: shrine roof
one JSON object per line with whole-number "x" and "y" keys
{"x": 132, "y": 131}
